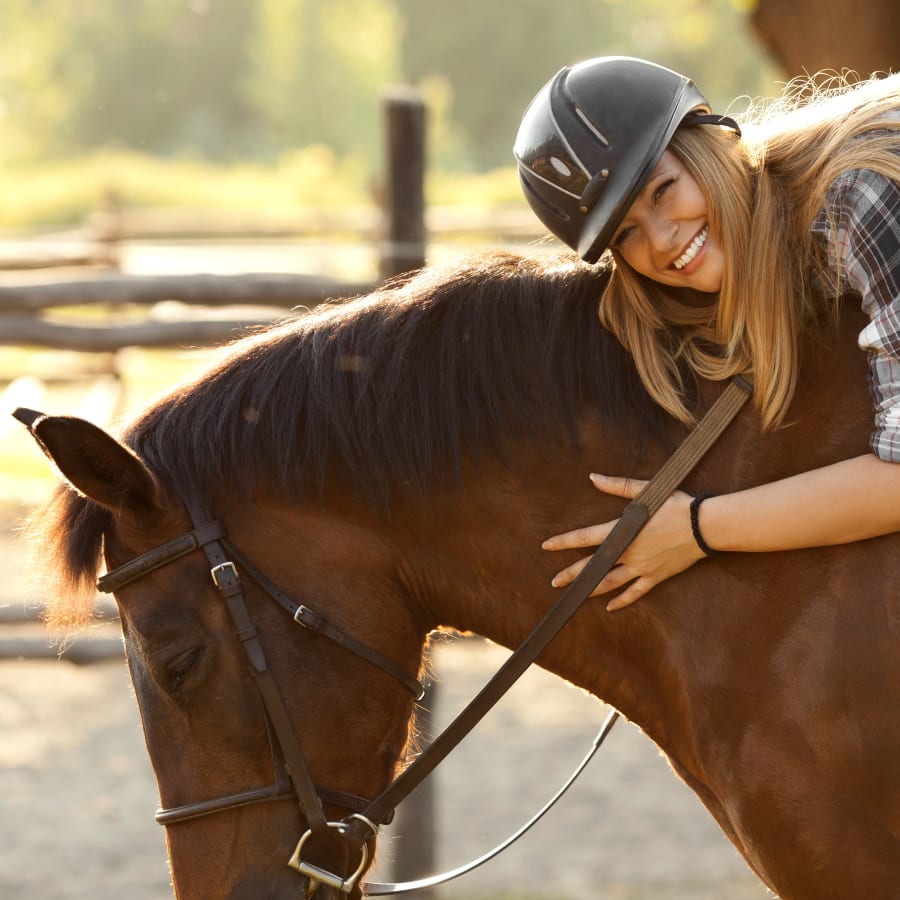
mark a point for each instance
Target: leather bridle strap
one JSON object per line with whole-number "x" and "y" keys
{"x": 175, "y": 815}
{"x": 160, "y": 556}
{"x": 318, "y": 624}
{"x": 635, "y": 516}
{"x": 227, "y": 582}
{"x": 212, "y": 534}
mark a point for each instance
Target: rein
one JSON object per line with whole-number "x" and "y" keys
{"x": 362, "y": 824}
{"x": 633, "y": 519}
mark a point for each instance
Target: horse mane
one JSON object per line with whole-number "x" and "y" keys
{"x": 395, "y": 387}
{"x": 393, "y": 390}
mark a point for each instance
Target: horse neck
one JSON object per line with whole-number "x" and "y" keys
{"x": 472, "y": 559}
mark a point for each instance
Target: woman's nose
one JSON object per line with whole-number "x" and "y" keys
{"x": 661, "y": 235}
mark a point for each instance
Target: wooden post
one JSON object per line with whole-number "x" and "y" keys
{"x": 402, "y": 251}
{"x": 414, "y": 826}
{"x": 403, "y": 246}
{"x": 109, "y": 230}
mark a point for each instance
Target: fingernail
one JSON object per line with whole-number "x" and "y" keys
{"x": 546, "y": 545}
{"x": 596, "y": 477}
{"x": 554, "y": 582}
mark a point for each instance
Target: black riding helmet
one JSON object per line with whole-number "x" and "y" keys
{"x": 591, "y": 137}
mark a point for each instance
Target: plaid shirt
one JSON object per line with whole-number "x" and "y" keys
{"x": 865, "y": 207}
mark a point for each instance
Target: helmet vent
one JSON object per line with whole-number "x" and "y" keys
{"x": 591, "y": 127}
{"x": 560, "y": 166}
{"x": 541, "y": 205}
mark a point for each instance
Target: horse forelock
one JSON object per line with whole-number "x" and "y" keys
{"x": 394, "y": 388}
{"x": 66, "y": 538}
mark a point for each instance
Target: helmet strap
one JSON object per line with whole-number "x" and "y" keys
{"x": 703, "y": 119}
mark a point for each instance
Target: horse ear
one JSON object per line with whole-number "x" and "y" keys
{"x": 92, "y": 461}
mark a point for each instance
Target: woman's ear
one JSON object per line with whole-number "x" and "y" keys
{"x": 93, "y": 462}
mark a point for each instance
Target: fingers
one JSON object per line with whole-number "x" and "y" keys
{"x": 593, "y": 536}
{"x": 569, "y": 574}
{"x": 588, "y": 536}
{"x": 619, "y": 487}
{"x": 635, "y": 591}
{"x": 613, "y": 580}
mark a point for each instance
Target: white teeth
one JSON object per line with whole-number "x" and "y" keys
{"x": 693, "y": 250}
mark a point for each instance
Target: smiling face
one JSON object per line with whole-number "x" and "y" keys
{"x": 666, "y": 235}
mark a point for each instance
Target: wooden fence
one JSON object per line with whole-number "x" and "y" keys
{"x": 402, "y": 248}
{"x": 216, "y": 306}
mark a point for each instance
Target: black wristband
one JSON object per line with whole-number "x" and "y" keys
{"x": 695, "y": 525}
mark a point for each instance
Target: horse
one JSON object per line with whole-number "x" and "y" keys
{"x": 392, "y": 463}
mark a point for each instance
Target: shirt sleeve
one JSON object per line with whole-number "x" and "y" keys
{"x": 865, "y": 252}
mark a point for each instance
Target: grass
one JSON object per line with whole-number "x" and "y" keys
{"x": 65, "y": 193}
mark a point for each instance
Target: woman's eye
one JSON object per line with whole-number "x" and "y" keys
{"x": 658, "y": 193}
{"x": 621, "y": 237}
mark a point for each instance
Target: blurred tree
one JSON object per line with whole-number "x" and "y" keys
{"x": 493, "y": 56}
{"x": 157, "y": 75}
{"x": 33, "y": 99}
{"x": 317, "y": 68}
{"x": 229, "y": 79}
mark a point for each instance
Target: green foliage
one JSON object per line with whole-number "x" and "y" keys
{"x": 316, "y": 69}
{"x": 495, "y": 64}
{"x": 66, "y": 191}
{"x": 227, "y": 80}
{"x": 155, "y": 75}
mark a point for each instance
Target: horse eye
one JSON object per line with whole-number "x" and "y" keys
{"x": 180, "y": 667}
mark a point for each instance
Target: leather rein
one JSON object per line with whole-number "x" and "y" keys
{"x": 361, "y": 825}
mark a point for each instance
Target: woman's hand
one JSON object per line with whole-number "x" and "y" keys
{"x": 664, "y": 547}
{"x": 851, "y": 500}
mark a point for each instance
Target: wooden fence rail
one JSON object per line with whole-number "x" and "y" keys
{"x": 20, "y": 323}
{"x": 276, "y": 289}
{"x": 503, "y": 222}
{"x": 28, "y": 330}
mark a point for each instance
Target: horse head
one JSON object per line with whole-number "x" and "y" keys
{"x": 213, "y": 739}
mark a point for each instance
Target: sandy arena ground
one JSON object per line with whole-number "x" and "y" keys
{"x": 77, "y": 794}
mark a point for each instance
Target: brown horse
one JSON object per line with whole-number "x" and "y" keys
{"x": 393, "y": 463}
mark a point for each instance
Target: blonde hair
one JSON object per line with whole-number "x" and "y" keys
{"x": 763, "y": 192}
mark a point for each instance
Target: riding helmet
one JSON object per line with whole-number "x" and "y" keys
{"x": 592, "y": 136}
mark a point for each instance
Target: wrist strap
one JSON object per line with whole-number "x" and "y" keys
{"x": 695, "y": 525}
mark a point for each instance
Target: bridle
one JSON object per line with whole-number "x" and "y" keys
{"x": 361, "y": 825}
{"x": 294, "y": 781}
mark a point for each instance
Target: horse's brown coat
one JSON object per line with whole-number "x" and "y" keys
{"x": 770, "y": 682}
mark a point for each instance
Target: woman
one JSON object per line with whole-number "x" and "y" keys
{"x": 718, "y": 233}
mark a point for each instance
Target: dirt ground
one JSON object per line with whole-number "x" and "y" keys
{"x": 77, "y": 794}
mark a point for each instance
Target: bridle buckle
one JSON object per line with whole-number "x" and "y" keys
{"x": 224, "y": 573}
{"x": 308, "y": 618}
